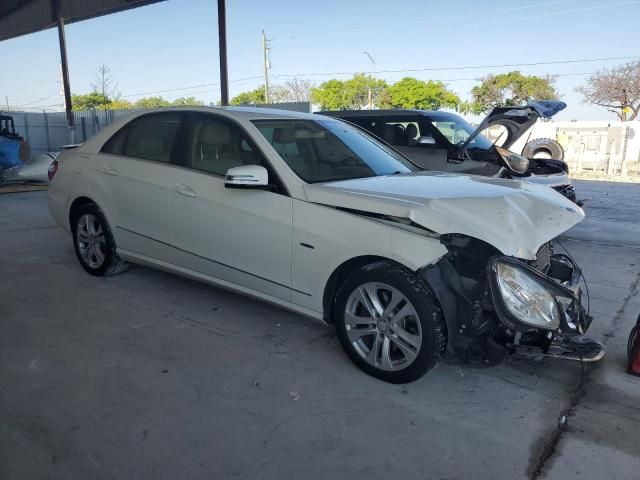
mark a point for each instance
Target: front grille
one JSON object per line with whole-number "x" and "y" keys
{"x": 568, "y": 191}
{"x": 543, "y": 258}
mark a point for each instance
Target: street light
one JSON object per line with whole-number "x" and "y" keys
{"x": 373, "y": 75}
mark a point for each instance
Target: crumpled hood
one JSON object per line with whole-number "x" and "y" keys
{"x": 515, "y": 217}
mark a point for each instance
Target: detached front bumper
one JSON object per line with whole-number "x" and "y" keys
{"x": 561, "y": 281}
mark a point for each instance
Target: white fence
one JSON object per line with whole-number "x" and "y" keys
{"x": 610, "y": 148}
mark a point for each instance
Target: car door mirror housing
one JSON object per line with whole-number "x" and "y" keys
{"x": 426, "y": 140}
{"x": 247, "y": 176}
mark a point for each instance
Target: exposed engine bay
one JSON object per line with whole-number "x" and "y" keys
{"x": 482, "y": 330}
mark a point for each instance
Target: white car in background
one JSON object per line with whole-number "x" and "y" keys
{"x": 316, "y": 216}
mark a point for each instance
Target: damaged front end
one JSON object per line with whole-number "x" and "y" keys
{"x": 496, "y": 304}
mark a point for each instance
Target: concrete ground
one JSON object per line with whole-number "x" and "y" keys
{"x": 146, "y": 375}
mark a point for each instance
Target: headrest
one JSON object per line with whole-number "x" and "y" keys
{"x": 411, "y": 131}
{"x": 214, "y": 134}
{"x": 284, "y": 135}
{"x": 150, "y": 146}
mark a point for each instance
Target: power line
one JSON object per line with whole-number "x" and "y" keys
{"x": 30, "y": 79}
{"x": 190, "y": 87}
{"x": 36, "y": 101}
{"x": 465, "y": 67}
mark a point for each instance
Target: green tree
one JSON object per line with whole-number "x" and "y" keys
{"x": 151, "y": 102}
{"x": 329, "y": 95}
{"x": 90, "y": 101}
{"x": 352, "y": 94}
{"x": 511, "y": 89}
{"x": 251, "y": 97}
{"x": 413, "y": 93}
{"x": 192, "y": 101}
{"x": 119, "y": 105}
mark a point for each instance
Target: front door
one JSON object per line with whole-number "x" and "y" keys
{"x": 239, "y": 236}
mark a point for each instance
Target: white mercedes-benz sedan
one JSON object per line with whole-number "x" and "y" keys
{"x": 313, "y": 214}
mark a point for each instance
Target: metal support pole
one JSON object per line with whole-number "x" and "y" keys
{"x": 55, "y": 8}
{"x": 46, "y": 129}
{"x": 83, "y": 122}
{"x": 222, "y": 43}
{"x": 26, "y": 126}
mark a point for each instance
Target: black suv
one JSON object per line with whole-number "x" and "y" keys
{"x": 443, "y": 141}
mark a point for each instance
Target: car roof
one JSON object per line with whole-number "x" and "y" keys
{"x": 382, "y": 112}
{"x": 245, "y": 113}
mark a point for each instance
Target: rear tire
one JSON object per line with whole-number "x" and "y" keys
{"x": 94, "y": 243}
{"x": 544, "y": 148}
{"x": 390, "y": 323}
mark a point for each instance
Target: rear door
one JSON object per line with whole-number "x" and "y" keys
{"x": 134, "y": 172}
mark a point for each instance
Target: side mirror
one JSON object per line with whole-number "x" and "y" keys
{"x": 426, "y": 140}
{"x": 247, "y": 176}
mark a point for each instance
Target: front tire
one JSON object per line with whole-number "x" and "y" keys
{"x": 94, "y": 243}
{"x": 390, "y": 323}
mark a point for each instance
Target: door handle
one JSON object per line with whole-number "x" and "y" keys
{"x": 184, "y": 190}
{"x": 109, "y": 170}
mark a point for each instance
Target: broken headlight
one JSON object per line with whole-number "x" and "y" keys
{"x": 525, "y": 298}
{"x": 515, "y": 162}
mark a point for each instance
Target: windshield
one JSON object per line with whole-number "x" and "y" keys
{"x": 329, "y": 150}
{"x": 457, "y": 131}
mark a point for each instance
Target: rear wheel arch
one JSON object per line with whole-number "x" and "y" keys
{"x": 80, "y": 202}
{"x": 75, "y": 206}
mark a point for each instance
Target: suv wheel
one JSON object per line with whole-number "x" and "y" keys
{"x": 390, "y": 323}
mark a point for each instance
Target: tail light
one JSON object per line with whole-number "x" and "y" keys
{"x": 53, "y": 168}
{"x": 633, "y": 350}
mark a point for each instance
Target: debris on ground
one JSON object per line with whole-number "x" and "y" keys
{"x": 293, "y": 395}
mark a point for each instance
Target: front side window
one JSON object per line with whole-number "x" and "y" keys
{"x": 215, "y": 145}
{"x": 328, "y": 150}
{"x": 150, "y": 137}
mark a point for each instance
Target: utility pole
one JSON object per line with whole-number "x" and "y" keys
{"x": 267, "y": 66}
{"x": 222, "y": 42}
{"x": 373, "y": 69}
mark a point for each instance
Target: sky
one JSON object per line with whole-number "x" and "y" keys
{"x": 171, "y": 48}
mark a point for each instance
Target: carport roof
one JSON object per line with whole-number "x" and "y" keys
{"x": 21, "y": 17}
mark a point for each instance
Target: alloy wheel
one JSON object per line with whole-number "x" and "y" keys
{"x": 383, "y": 326}
{"x": 92, "y": 243}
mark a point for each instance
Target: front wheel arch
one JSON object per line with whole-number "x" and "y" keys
{"x": 338, "y": 276}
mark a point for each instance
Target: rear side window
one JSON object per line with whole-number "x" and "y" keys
{"x": 151, "y": 137}
{"x": 402, "y": 132}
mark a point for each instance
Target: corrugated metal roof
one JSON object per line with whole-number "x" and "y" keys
{"x": 21, "y": 17}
